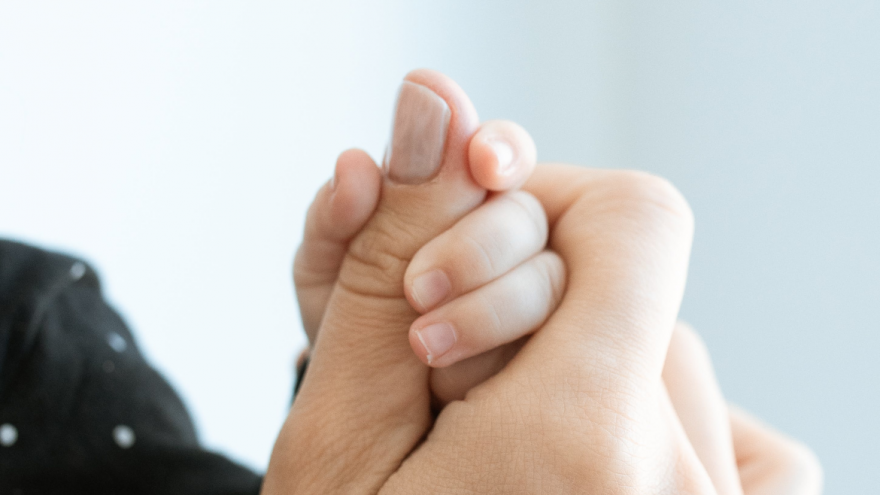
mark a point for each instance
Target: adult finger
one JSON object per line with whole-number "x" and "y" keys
{"x": 700, "y": 407}
{"x": 771, "y": 463}
{"x": 339, "y": 211}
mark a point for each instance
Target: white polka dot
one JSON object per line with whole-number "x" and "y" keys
{"x": 8, "y": 435}
{"x": 77, "y": 270}
{"x": 117, "y": 342}
{"x": 123, "y": 436}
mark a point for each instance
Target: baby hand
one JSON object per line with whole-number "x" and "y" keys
{"x": 481, "y": 285}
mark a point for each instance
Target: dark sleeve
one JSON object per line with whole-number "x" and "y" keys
{"x": 81, "y": 411}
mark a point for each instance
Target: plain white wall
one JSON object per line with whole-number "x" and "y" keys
{"x": 177, "y": 145}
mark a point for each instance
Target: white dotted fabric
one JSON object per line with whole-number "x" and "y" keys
{"x": 123, "y": 436}
{"x": 116, "y": 342}
{"x": 8, "y": 435}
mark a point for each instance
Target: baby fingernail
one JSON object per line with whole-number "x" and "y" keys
{"x": 437, "y": 339}
{"x": 503, "y": 154}
{"x": 429, "y": 289}
{"x": 419, "y": 135}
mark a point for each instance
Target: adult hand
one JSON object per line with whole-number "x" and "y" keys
{"x": 740, "y": 455}
{"x": 751, "y": 459}
{"x": 581, "y": 407}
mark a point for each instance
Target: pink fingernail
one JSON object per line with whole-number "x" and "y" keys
{"x": 429, "y": 289}
{"x": 421, "y": 120}
{"x": 503, "y": 154}
{"x": 437, "y": 339}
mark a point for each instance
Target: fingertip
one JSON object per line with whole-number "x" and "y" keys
{"x": 425, "y": 290}
{"x": 463, "y": 121}
{"x": 418, "y": 346}
{"x": 339, "y": 211}
{"x": 502, "y": 155}
{"x": 436, "y": 342}
{"x": 354, "y": 190}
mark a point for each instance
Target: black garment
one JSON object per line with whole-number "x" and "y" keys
{"x": 80, "y": 409}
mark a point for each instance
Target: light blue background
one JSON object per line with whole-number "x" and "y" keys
{"x": 170, "y": 141}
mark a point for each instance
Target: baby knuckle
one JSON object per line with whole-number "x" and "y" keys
{"x": 554, "y": 269}
{"x": 547, "y": 279}
{"x": 494, "y": 330}
{"x": 531, "y": 208}
{"x": 472, "y": 257}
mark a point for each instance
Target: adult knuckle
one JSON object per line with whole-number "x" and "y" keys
{"x": 803, "y": 464}
{"x": 306, "y": 270}
{"x": 373, "y": 266}
{"x": 301, "y": 268}
{"x": 645, "y": 192}
{"x": 687, "y": 338}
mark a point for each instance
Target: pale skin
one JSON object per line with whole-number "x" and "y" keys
{"x": 609, "y": 395}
